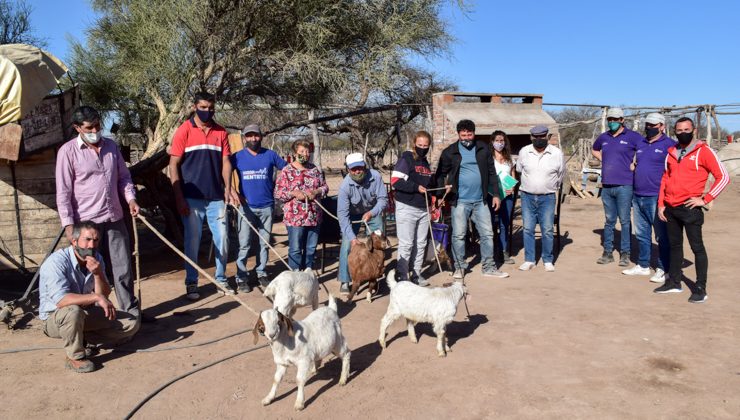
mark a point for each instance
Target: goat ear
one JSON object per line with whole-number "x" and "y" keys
{"x": 288, "y": 323}
{"x": 369, "y": 243}
{"x": 255, "y": 330}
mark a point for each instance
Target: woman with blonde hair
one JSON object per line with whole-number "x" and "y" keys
{"x": 298, "y": 184}
{"x": 410, "y": 179}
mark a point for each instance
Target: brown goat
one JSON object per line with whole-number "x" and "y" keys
{"x": 366, "y": 264}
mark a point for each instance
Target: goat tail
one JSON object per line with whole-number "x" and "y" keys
{"x": 391, "y": 279}
{"x": 332, "y": 303}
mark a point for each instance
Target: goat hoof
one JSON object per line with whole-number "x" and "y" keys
{"x": 343, "y": 382}
{"x": 298, "y": 406}
{"x": 382, "y": 344}
{"x": 442, "y": 354}
{"x": 266, "y": 401}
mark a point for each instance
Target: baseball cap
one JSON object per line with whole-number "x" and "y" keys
{"x": 655, "y": 118}
{"x": 252, "y": 128}
{"x": 615, "y": 113}
{"x": 354, "y": 160}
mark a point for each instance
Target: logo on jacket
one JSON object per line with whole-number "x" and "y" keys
{"x": 623, "y": 142}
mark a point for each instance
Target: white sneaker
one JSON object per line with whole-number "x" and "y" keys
{"x": 526, "y": 266}
{"x": 549, "y": 267}
{"x": 637, "y": 271}
{"x": 459, "y": 274}
{"x": 659, "y": 276}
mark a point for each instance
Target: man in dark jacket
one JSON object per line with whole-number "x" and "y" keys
{"x": 468, "y": 166}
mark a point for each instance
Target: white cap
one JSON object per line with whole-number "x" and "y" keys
{"x": 655, "y": 118}
{"x": 354, "y": 160}
{"x": 615, "y": 113}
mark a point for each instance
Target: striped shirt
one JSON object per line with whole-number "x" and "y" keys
{"x": 202, "y": 159}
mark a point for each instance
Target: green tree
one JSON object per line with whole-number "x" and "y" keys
{"x": 143, "y": 60}
{"x": 15, "y": 24}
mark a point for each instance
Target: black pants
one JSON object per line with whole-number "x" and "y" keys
{"x": 680, "y": 218}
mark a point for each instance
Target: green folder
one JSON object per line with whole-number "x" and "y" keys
{"x": 506, "y": 183}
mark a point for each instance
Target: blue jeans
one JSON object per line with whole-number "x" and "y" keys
{"x": 502, "y": 219}
{"x": 538, "y": 208}
{"x": 214, "y": 212}
{"x": 261, "y": 219}
{"x": 376, "y": 223}
{"x": 302, "y": 242}
{"x": 644, "y": 209}
{"x": 617, "y": 201}
{"x": 479, "y": 213}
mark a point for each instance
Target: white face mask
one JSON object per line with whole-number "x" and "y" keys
{"x": 91, "y": 138}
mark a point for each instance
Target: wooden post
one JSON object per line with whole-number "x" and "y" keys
{"x": 720, "y": 138}
{"x": 708, "y": 111}
{"x": 603, "y": 119}
{"x": 316, "y": 140}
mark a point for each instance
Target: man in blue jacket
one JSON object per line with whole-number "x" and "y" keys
{"x": 468, "y": 166}
{"x": 362, "y": 196}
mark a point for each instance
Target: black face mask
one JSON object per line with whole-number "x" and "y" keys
{"x": 421, "y": 152}
{"x": 204, "y": 115}
{"x": 684, "y": 138}
{"x": 254, "y": 145}
{"x": 468, "y": 144}
{"x": 539, "y": 143}
{"x": 651, "y": 132}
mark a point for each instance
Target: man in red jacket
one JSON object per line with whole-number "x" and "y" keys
{"x": 681, "y": 200}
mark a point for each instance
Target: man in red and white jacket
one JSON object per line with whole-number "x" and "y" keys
{"x": 681, "y": 200}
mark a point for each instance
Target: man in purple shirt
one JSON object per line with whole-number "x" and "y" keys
{"x": 90, "y": 176}
{"x": 616, "y": 150}
{"x": 649, "y": 167}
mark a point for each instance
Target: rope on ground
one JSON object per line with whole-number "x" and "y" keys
{"x": 127, "y": 350}
{"x": 196, "y": 266}
{"x": 136, "y": 258}
{"x": 266, "y": 241}
{"x": 185, "y": 375}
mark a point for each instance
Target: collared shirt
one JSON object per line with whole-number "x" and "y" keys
{"x": 616, "y": 156}
{"x": 61, "y": 274}
{"x": 202, "y": 159}
{"x": 543, "y": 172}
{"x": 650, "y": 165}
{"x": 357, "y": 199}
{"x": 89, "y": 183}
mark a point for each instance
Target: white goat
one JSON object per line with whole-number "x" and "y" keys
{"x": 436, "y": 305}
{"x": 291, "y": 289}
{"x": 303, "y": 344}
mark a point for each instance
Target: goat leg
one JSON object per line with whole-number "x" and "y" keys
{"x": 352, "y": 292}
{"x": 387, "y": 320}
{"x": 412, "y": 331}
{"x": 440, "y": 331}
{"x": 300, "y": 378}
{"x": 345, "y": 368}
{"x": 279, "y": 372}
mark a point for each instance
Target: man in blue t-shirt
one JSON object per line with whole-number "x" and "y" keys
{"x": 255, "y": 167}
{"x": 467, "y": 165}
{"x": 649, "y": 168}
{"x": 616, "y": 149}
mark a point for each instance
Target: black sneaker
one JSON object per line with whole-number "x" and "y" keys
{"x": 624, "y": 259}
{"x": 605, "y": 258}
{"x": 698, "y": 296}
{"x": 344, "y": 289}
{"x": 191, "y": 292}
{"x": 508, "y": 259}
{"x": 243, "y": 287}
{"x": 263, "y": 280}
{"x": 668, "y": 288}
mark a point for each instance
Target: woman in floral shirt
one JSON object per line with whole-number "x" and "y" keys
{"x": 297, "y": 186}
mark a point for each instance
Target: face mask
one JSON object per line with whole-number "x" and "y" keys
{"x": 91, "y": 138}
{"x": 684, "y": 138}
{"x": 651, "y": 132}
{"x": 499, "y": 146}
{"x": 85, "y": 252}
{"x": 421, "y": 152}
{"x": 301, "y": 159}
{"x": 539, "y": 143}
{"x": 614, "y": 126}
{"x": 204, "y": 115}
{"x": 467, "y": 144}
{"x": 254, "y": 145}
{"x": 357, "y": 177}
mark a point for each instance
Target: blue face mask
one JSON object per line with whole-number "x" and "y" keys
{"x": 204, "y": 115}
{"x": 614, "y": 126}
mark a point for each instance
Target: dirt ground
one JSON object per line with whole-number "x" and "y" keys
{"x": 581, "y": 342}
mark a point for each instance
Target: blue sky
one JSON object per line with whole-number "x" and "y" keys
{"x": 649, "y": 52}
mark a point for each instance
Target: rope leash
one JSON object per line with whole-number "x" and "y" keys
{"x": 136, "y": 258}
{"x": 255, "y": 230}
{"x": 196, "y": 266}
